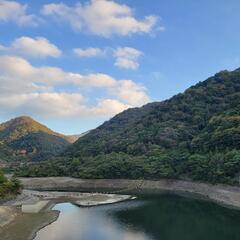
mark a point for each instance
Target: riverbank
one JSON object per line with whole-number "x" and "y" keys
{"x": 37, "y": 200}
{"x": 21, "y": 218}
{"x": 24, "y": 226}
{"x": 14, "y": 224}
{"x": 227, "y": 195}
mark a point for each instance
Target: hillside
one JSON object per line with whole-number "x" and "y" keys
{"x": 23, "y": 138}
{"x": 193, "y": 135}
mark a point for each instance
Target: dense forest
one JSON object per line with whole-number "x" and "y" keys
{"x": 194, "y": 135}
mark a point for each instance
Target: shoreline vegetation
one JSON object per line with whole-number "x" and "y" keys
{"x": 93, "y": 192}
{"x": 9, "y": 188}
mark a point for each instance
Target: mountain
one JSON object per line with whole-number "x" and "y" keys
{"x": 75, "y": 137}
{"x": 24, "y": 138}
{"x": 193, "y": 135}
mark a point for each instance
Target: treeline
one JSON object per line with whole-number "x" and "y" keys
{"x": 212, "y": 167}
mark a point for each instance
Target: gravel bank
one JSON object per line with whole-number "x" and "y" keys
{"x": 37, "y": 200}
{"x": 223, "y": 194}
{"x": 22, "y": 217}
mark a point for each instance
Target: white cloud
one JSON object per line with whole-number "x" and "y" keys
{"x": 106, "y": 107}
{"x": 101, "y": 17}
{"x": 12, "y": 11}
{"x": 89, "y": 52}
{"x": 38, "y": 47}
{"x": 19, "y": 68}
{"x": 47, "y": 104}
{"x": 126, "y": 63}
{"x": 127, "y": 57}
{"x": 59, "y": 105}
{"x": 25, "y": 89}
{"x": 135, "y": 94}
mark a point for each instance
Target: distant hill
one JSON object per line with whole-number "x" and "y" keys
{"x": 75, "y": 137}
{"x": 23, "y": 138}
{"x": 193, "y": 135}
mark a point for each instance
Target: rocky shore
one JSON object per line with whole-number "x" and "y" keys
{"x": 227, "y": 195}
{"x": 40, "y": 194}
{"x": 21, "y": 218}
{"x": 38, "y": 200}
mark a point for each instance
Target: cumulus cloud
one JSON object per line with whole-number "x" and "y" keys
{"x": 26, "y": 89}
{"x": 12, "y": 11}
{"x": 38, "y": 47}
{"x": 101, "y": 17}
{"x": 106, "y": 107}
{"x": 48, "y": 104}
{"x": 127, "y": 57}
{"x": 59, "y": 105}
{"x": 89, "y": 52}
{"x": 134, "y": 93}
{"x": 19, "y": 68}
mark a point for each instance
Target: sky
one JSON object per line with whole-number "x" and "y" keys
{"x": 74, "y": 64}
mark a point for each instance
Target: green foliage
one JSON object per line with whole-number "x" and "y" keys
{"x": 9, "y": 187}
{"x": 194, "y": 135}
{"x": 221, "y": 132}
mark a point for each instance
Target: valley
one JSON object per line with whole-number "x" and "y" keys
{"x": 119, "y": 120}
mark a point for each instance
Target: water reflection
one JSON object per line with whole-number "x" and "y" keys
{"x": 76, "y": 223}
{"x": 162, "y": 218}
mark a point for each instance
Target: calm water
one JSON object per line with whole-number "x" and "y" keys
{"x": 151, "y": 218}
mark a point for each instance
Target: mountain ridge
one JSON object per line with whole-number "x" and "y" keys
{"x": 23, "y": 138}
{"x": 127, "y": 117}
{"x": 195, "y": 135}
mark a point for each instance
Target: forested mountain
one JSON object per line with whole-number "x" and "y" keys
{"x": 24, "y": 138}
{"x": 193, "y": 135}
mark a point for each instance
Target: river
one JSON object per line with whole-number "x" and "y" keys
{"x": 164, "y": 217}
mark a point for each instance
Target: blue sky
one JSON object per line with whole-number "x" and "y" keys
{"x": 132, "y": 53}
